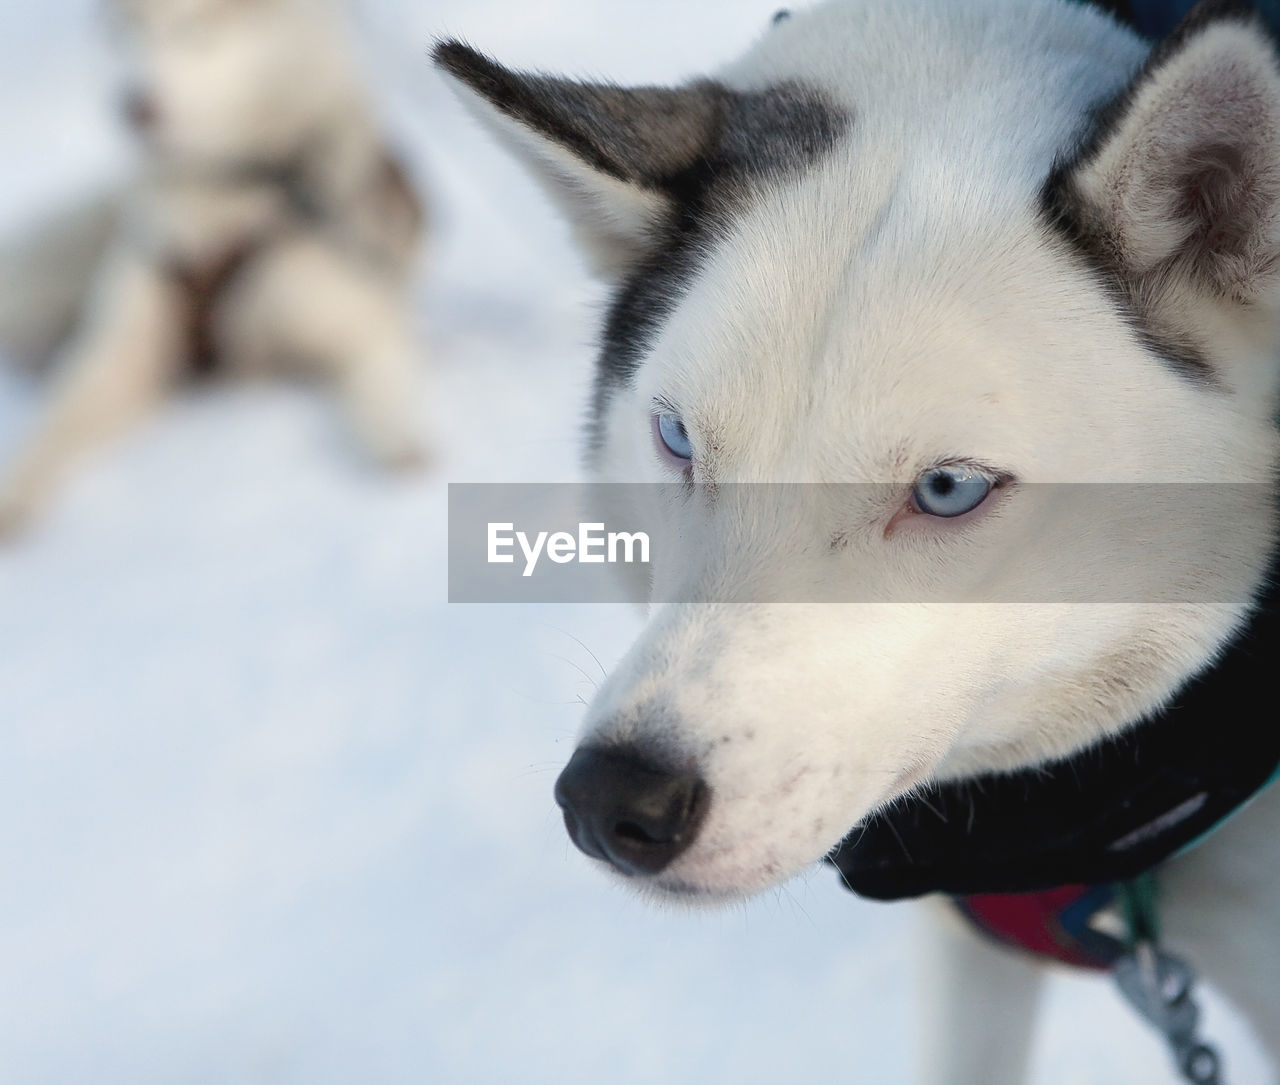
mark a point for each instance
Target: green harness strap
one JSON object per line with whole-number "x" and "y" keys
{"x": 1140, "y": 898}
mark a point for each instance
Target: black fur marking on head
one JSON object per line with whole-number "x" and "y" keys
{"x": 760, "y": 136}
{"x": 1066, "y": 212}
{"x": 637, "y": 135}
{"x": 1062, "y": 209}
{"x": 703, "y": 148}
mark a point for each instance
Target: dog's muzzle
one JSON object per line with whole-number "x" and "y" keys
{"x": 622, "y": 808}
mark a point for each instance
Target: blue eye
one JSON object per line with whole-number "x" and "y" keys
{"x": 672, "y": 434}
{"x": 951, "y": 491}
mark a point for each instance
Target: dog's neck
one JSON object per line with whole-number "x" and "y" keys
{"x": 1107, "y": 814}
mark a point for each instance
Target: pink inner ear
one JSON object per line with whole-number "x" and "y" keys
{"x": 1227, "y": 200}
{"x": 1190, "y": 175}
{"x": 1221, "y": 197}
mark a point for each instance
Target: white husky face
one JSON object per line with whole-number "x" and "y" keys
{"x": 218, "y": 81}
{"x": 802, "y": 716}
{"x": 942, "y": 282}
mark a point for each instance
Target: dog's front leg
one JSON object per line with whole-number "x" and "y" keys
{"x": 379, "y": 392}
{"x": 979, "y": 1008}
{"x": 115, "y": 368}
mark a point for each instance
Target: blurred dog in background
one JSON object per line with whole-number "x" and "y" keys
{"x": 267, "y": 227}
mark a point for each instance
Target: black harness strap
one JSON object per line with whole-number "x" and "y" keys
{"x": 1107, "y": 814}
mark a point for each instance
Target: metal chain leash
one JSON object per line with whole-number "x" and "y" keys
{"x": 1159, "y": 985}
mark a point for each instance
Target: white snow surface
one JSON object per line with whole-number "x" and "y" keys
{"x": 273, "y": 811}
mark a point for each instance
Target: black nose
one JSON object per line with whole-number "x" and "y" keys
{"x": 621, "y": 807}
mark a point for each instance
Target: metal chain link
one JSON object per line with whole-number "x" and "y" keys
{"x": 1159, "y": 986}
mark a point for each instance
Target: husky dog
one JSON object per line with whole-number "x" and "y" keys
{"x": 953, "y": 251}
{"x": 267, "y": 223}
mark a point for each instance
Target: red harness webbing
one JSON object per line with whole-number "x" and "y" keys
{"x": 1054, "y": 923}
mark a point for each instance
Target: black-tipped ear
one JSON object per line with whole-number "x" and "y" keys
{"x": 609, "y": 156}
{"x": 1180, "y": 187}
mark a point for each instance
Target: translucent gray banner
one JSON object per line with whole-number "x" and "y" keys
{"x": 857, "y": 543}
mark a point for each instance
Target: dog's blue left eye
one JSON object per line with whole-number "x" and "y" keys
{"x": 673, "y": 435}
{"x": 951, "y": 491}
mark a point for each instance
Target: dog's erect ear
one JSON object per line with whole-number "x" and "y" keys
{"x": 610, "y": 157}
{"x": 1181, "y": 182}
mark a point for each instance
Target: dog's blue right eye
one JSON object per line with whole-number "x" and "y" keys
{"x": 673, "y": 435}
{"x": 951, "y": 491}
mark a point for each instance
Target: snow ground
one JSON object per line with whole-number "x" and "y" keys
{"x": 271, "y": 811}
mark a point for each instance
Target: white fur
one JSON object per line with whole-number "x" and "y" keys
{"x": 901, "y": 304}
{"x": 231, "y": 91}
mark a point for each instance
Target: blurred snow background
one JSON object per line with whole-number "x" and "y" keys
{"x": 271, "y": 811}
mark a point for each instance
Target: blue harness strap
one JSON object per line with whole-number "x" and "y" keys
{"x": 1156, "y": 18}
